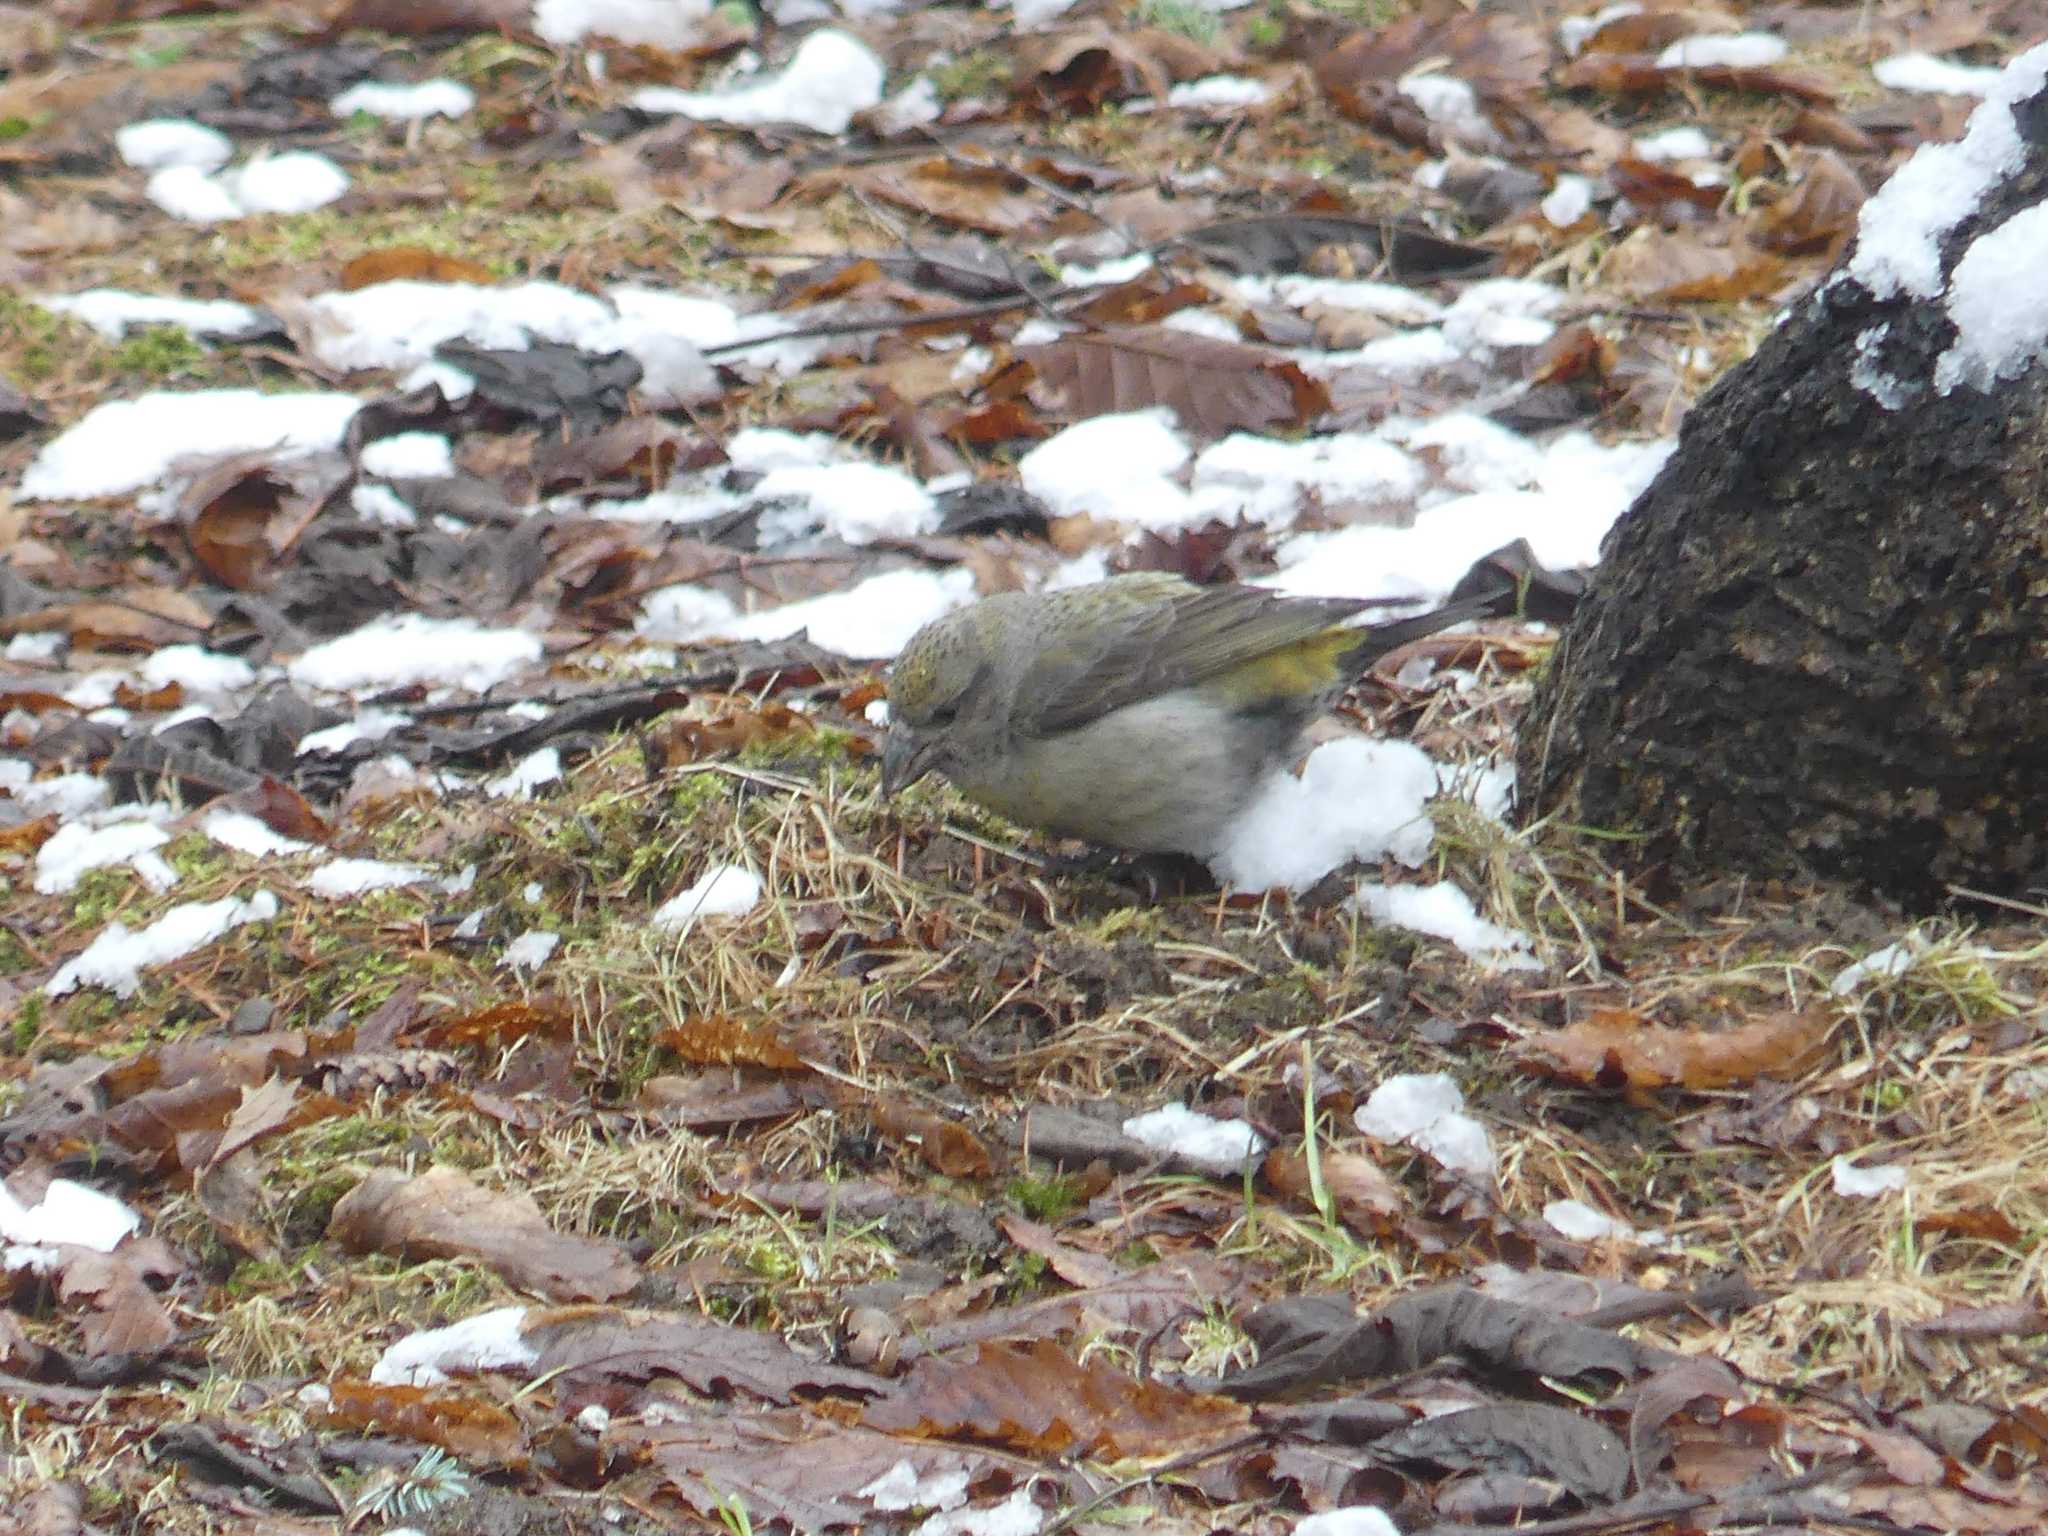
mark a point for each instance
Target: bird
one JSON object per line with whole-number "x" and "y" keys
{"x": 1141, "y": 713}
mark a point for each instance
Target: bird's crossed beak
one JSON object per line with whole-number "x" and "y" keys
{"x": 905, "y": 759}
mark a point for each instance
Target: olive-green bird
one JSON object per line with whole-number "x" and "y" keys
{"x": 1142, "y": 712}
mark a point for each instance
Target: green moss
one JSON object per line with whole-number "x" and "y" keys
{"x": 162, "y": 353}
{"x": 99, "y": 893}
{"x": 464, "y": 1291}
{"x": 28, "y": 1021}
{"x": 197, "y": 857}
{"x": 472, "y": 223}
{"x": 368, "y": 977}
{"x": 652, "y": 866}
{"x": 1376, "y": 13}
{"x": 34, "y": 343}
{"x": 92, "y": 1012}
{"x": 160, "y": 56}
{"x": 809, "y": 750}
{"x": 1372, "y": 944}
{"x": 295, "y": 237}
{"x": 1047, "y": 1200}
{"x": 1147, "y": 924}
{"x": 461, "y": 1150}
{"x": 1888, "y": 1097}
{"x": 696, "y": 793}
{"x": 260, "y": 1277}
{"x": 1182, "y": 17}
{"x": 771, "y": 1261}
{"x": 984, "y": 72}
{"x": 1027, "y": 1271}
{"x": 355, "y": 1135}
{"x": 491, "y": 53}
{"x": 636, "y": 1048}
{"x": 14, "y": 955}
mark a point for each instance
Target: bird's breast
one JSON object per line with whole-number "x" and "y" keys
{"x": 1167, "y": 775}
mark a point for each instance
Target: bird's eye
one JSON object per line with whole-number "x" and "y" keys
{"x": 946, "y": 714}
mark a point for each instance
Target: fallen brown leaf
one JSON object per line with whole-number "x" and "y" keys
{"x": 414, "y": 263}
{"x": 1615, "y": 1048}
{"x": 1214, "y": 387}
{"x": 461, "y": 1423}
{"x": 1715, "y": 264}
{"x": 442, "y": 1214}
{"x": 1041, "y": 1401}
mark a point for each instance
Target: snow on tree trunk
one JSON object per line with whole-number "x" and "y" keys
{"x": 1819, "y": 642}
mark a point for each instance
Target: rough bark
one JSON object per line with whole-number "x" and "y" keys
{"x": 1818, "y": 644}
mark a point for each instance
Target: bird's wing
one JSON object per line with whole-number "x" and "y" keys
{"x": 1168, "y": 635}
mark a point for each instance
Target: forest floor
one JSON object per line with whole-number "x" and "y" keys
{"x": 813, "y": 1205}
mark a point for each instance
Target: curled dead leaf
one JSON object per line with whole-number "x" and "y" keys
{"x": 1818, "y": 215}
{"x": 396, "y": 263}
{"x": 946, "y": 1144}
{"x": 1072, "y": 73}
{"x": 1617, "y": 1049}
{"x": 461, "y": 1423}
{"x": 721, "y": 1040}
{"x": 1366, "y": 1200}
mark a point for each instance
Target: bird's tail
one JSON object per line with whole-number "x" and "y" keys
{"x": 1376, "y": 640}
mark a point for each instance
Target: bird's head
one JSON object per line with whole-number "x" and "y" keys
{"x": 939, "y": 696}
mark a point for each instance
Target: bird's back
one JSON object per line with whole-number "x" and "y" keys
{"x": 1142, "y": 636}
